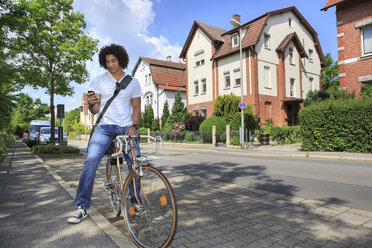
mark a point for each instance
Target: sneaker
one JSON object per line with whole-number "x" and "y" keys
{"x": 79, "y": 215}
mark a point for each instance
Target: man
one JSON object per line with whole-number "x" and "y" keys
{"x": 121, "y": 117}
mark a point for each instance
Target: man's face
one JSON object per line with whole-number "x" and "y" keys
{"x": 112, "y": 64}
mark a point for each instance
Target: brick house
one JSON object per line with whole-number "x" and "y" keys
{"x": 282, "y": 61}
{"x": 159, "y": 81}
{"x": 354, "y": 37}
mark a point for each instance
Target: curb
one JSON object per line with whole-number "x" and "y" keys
{"x": 115, "y": 235}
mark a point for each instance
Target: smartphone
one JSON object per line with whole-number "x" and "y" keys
{"x": 91, "y": 91}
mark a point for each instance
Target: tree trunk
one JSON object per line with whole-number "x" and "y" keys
{"x": 52, "y": 119}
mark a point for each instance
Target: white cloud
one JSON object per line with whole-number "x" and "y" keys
{"x": 162, "y": 47}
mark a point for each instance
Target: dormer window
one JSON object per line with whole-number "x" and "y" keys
{"x": 235, "y": 40}
{"x": 199, "y": 58}
{"x": 290, "y": 55}
{"x": 310, "y": 55}
{"x": 267, "y": 41}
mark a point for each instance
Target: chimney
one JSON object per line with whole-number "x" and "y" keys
{"x": 169, "y": 58}
{"x": 236, "y": 17}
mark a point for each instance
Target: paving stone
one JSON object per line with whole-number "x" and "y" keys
{"x": 352, "y": 218}
{"x": 310, "y": 243}
{"x": 214, "y": 233}
{"x": 269, "y": 240}
{"x": 263, "y": 233}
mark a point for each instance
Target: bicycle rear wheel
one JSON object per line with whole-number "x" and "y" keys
{"x": 113, "y": 186}
{"x": 154, "y": 223}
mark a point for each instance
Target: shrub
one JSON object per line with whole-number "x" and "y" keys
{"x": 50, "y": 149}
{"x": 250, "y": 119}
{"x": 286, "y": 134}
{"x": 206, "y": 127}
{"x": 337, "y": 125}
{"x": 226, "y": 106}
{"x": 193, "y": 122}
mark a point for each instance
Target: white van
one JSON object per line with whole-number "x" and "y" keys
{"x": 34, "y": 131}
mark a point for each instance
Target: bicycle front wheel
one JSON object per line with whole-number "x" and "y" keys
{"x": 113, "y": 186}
{"x": 150, "y": 209}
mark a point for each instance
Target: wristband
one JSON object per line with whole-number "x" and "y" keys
{"x": 135, "y": 125}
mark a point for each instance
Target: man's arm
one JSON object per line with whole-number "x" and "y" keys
{"x": 94, "y": 102}
{"x": 136, "y": 115}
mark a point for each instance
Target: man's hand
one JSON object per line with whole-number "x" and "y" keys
{"x": 131, "y": 131}
{"x": 94, "y": 102}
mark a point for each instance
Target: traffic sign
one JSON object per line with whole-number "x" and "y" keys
{"x": 242, "y": 105}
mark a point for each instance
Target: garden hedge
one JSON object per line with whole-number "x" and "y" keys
{"x": 337, "y": 125}
{"x": 206, "y": 127}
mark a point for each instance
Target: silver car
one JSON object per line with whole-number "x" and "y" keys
{"x": 44, "y": 136}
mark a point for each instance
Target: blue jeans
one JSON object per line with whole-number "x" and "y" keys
{"x": 100, "y": 141}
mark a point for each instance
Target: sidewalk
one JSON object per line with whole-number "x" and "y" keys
{"x": 34, "y": 207}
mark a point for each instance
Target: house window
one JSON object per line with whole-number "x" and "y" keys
{"x": 204, "y": 86}
{"x": 196, "y": 112}
{"x": 267, "y": 41}
{"x": 146, "y": 80}
{"x": 237, "y": 77}
{"x": 199, "y": 58}
{"x": 311, "y": 85}
{"x": 196, "y": 88}
{"x": 311, "y": 55}
{"x": 227, "y": 79}
{"x": 267, "y": 77}
{"x": 204, "y": 112}
{"x": 150, "y": 78}
{"x": 234, "y": 40}
{"x": 292, "y": 87}
{"x": 148, "y": 99}
{"x": 291, "y": 60}
{"x": 290, "y": 21}
{"x": 367, "y": 40}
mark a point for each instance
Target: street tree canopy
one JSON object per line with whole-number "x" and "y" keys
{"x": 330, "y": 73}
{"x": 49, "y": 46}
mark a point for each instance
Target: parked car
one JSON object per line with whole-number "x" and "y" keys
{"x": 44, "y": 136}
{"x": 34, "y": 131}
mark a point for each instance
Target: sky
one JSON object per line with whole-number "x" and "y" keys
{"x": 158, "y": 28}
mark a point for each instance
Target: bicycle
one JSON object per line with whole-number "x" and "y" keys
{"x": 146, "y": 197}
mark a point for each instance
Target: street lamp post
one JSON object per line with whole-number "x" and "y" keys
{"x": 235, "y": 23}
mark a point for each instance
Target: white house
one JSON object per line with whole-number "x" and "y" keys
{"x": 282, "y": 61}
{"x": 160, "y": 81}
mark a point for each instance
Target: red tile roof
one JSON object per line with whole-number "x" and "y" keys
{"x": 165, "y": 73}
{"x": 213, "y": 33}
{"x": 172, "y": 88}
{"x": 331, "y": 3}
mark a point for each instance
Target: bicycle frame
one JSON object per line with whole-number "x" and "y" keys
{"x": 126, "y": 144}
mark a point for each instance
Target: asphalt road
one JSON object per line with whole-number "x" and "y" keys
{"x": 342, "y": 182}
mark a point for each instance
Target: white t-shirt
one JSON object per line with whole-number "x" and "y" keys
{"x": 120, "y": 110}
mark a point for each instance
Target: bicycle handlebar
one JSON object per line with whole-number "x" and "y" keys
{"x": 128, "y": 139}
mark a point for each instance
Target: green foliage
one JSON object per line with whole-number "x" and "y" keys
{"x": 165, "y": 115}
{"x": 250, "y": 119}
{"x": 226, "y": 106}
{"x": 78, "y": 127}
{"x": 330, "y": 73}
{"x": 5, "y": 142}
{"x": 286, "y": 134}
{"x": 179, "y": 111}
{"x": 52, "y": 149}
{"x": 315, "y": 96}
{"x": 206, "y": 127}
{"x": 48, "y": 40}
{"x": 148, "y": 117}
{"x": 71, "y": 118}
{"x": 26, "y": 109}
{"x": 366, "y": 90}
{"x": 337, "y": 125}
{"x": 335, "y": 92}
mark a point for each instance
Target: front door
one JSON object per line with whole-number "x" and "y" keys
{"x": 292, "y": 113}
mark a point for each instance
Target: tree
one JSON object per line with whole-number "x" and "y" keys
{"x": 165, "y": 115}
{"x": 71, "y": 118}
{"x": 179, "y": 111}
{"x": 330, "y": 73}
{"x": 226, "y": 106}
{"x": 148, "y": 117}
{"x": 26, "y": 109}
{"x": 49, "y": 46}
